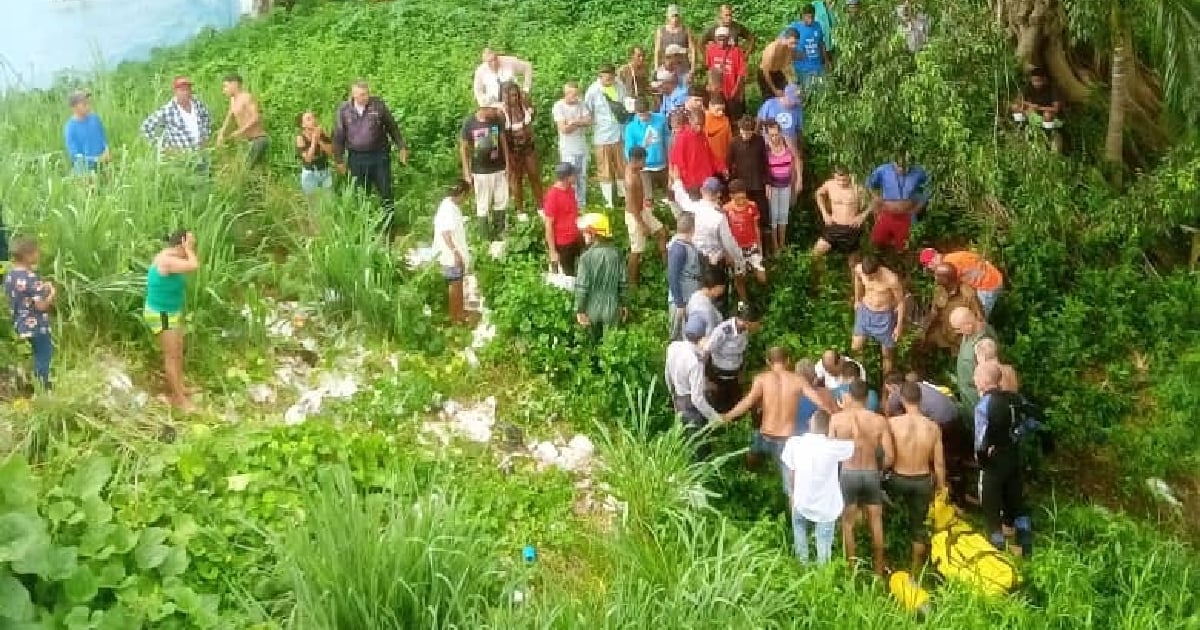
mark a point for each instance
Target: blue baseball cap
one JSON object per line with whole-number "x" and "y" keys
{"x": 694, "y": 329}
{"x": 712, "y": 184}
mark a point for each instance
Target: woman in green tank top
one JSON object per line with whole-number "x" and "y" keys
{"x": 166, "y": 284}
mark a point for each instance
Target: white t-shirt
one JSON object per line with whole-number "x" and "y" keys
{"x": 812, "y": 460}
{"x": 191, "y": 121}
{"x": 831, "y": 381}
{"x": 574, "y": 143}
{"x": 449, "y": 218}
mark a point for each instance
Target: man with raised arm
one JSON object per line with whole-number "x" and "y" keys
{"x": 878, "y": 308}
{"x": 861, "y": 479}
{"x": 920, "y": 466}
{"x": 495, "y": 71}
{"x": 244, "y": 109}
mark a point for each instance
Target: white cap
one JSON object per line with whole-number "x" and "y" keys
{"x": 676, "y": 49}
{"x": 664, "y": 75}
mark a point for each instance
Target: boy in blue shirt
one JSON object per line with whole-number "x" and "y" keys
{"x": 87, "y": 144}
{"x": 811, "y": 56}
{"x": 649, "y": 130}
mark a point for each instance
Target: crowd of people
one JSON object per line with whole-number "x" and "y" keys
{"x": 676, "y": 123}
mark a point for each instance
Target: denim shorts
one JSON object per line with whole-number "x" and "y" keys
{"x": 312, "y": 180}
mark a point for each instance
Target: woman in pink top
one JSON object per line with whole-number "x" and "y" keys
{"x": 784, "y": 179}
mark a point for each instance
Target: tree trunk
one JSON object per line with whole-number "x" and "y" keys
{"x": 1039, "y": 29}
{"x": 1122, "y": 67}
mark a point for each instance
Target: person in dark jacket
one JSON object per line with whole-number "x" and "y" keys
{"x": 1000, "y": 484}
{"x": 362, "y": 129}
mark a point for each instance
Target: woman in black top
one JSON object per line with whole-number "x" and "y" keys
{"x": 523, "y": 162}
{"x": 314, "y": 147}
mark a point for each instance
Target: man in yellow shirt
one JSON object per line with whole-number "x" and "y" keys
{"x": 973, "y": 271}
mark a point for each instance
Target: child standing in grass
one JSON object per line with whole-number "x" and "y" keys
{"x": 31, "y": 299}
{"x": 166, "y": 284}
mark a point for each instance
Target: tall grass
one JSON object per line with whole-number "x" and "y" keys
{"x": 396, "y": 559}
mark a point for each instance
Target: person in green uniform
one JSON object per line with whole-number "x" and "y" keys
{"x": 166, "y": 284}
{"x": 599, "y": 277}
{"x": 967, "y": 323}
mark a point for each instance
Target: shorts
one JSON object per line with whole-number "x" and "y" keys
{"x": 861, "y": 487}
{"x": 780, "y": 199}
{"x": 773, "y": 446}
{"x": 258, "y": 150}
{"x": 568, "y": 255}
{"x": 916, "y": 493}
{"x": 610, "y": 162}
{"x": 878, "y": 325}
{"x": 842, "y": 239}
{"x": 160, "y": 322}
{"x": 988, "y": 299}
{"x": 312, "y": 180}
{"x": 654, "y": 179}
{"x": 777, "y": 77}
{"x": 891, "y": 230}
{"x": 637, "y": 240}
{"x": 491, "y": 192}
{"x": 452, "y": 274}
{"x": 753, "y": 257}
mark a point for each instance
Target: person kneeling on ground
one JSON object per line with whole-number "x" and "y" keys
{"x": 166, "y": 285}
{"x": 972, "y": 270}
{"x": 31, "y": 298}
{"x": 450, "y": 243}
{"x": 1040, "y": 104}
{"x": 600, "y": 278}
{"x": 811, "y": 464}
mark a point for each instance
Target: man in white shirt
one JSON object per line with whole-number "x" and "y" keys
{"x": 571, "y": 118}
{"x": 812, "y": 461}
{"x": 686, "y": 385}
{"x": 605, "y": 100}
{"x": 450, "y": 244}
{"x": 829, "y": 368}
{"x": 713, "y": 237}
{"x": 494, "y": 72}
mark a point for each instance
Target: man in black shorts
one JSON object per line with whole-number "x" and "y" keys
{"x": 842, "y": 203}
{"x": 861, "y": 476}
{"x": 919, "y": 467}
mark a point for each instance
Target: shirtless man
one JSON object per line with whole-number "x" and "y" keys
{"x": 640, "y": 221}
{"x": 843, "y": 207}
{"x": 986, "y": 352}
{"x": 778, "y": 390}
{"x": 775, "y": 70}
{"x": 920, "y": 466}
{"x": 244, "y": 109}
{"x": 878, "y": 308}
{"x": 862, "y": 474}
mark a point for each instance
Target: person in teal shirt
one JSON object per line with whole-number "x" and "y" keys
{"x": 166, "y": 285}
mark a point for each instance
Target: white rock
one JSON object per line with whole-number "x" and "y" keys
{"x": 338, "y": 385}
{"x": 1163, "y": 492}
{"x": 560, "y": 281}
{"x": 496, "y": 249}
{"x": 310, "y": 344}
{"x": 309, "y": 404}
{"x": 545, "y": 453}
{"x": 261, "y": 393}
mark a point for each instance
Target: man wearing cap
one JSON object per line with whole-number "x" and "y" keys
{"x": 897, "y": 196}
{"x": 788, "y": 112}
{"x": 739, "y": 35}
{"x": 811, "y": 58}
{"x": 776, "y": 64}
{"x": 713, "y": 238}
{"x": 673, "y": 92}
{"x": 244, "y": 109}
{"x": 363, "y": 132}
{"x": 605, "y": 102}
{"x": 561, "y": 212}
{"x": 183, "y": 124}
{"x": 87, "y": 144}
{"x": 727, "y": 353}
{"x": 600, "y": 278}
{"x": 640, "y": 222}
{"x": 648, "y": 130}
{"x": 495, "y": 71}
{"x": 687, "y": 386}
{"x": 674, "y": 34}
{"x": 572, "y": 117}
{"x": 728, "y": 63}
{"x": 973, "y": 270}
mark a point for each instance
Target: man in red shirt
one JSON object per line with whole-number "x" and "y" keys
{"x": 691, "y": 160}
{"x": 743, "y": 223}
{"x": 728, "y": 62}
{"x": 561, "y": 213}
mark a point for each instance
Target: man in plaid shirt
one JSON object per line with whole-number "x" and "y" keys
{"x": 183, "y": 124}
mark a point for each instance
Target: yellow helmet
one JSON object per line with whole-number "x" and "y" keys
{"x": 595, "y": 222}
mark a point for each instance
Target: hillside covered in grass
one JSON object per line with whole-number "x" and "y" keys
{"x": 399, "y": 496}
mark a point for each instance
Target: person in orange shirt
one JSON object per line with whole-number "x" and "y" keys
{"x": 973, "y": 270}
{"x": 717, "y": 129}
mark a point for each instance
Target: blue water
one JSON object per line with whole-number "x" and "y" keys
{"x": 39, "y": 39}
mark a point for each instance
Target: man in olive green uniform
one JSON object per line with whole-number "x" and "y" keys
{"x": 965, "y": 322}
{"x": 599, "y": 277}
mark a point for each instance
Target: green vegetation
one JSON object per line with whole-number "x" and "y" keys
{"x": 116, "y": 514}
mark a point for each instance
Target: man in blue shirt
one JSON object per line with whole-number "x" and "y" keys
{"x": 87, "y": 145}
{"x": 811, "y": 57}
{"x": 674, "y": 92}
{"x": 788, "y": 111}
{"x": 898, "y": 195}
{"x": 649, "y": 130}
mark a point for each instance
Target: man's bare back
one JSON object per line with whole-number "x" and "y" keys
{"x": 844, "y": 202}
{"x": 778, "y": 390}
{"x": 635, "y": 196}
{"x": 882, "y": 292}
{"x": 245, "y": 111}
{"x": 918, "y": 444}
{"x": 871, "y": 434}
{"x": 776, "y": 57}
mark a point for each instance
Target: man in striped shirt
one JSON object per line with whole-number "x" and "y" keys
{"x": 183, "y": 124}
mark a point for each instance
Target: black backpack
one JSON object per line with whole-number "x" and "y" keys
{"x": 1030, "y": 433}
